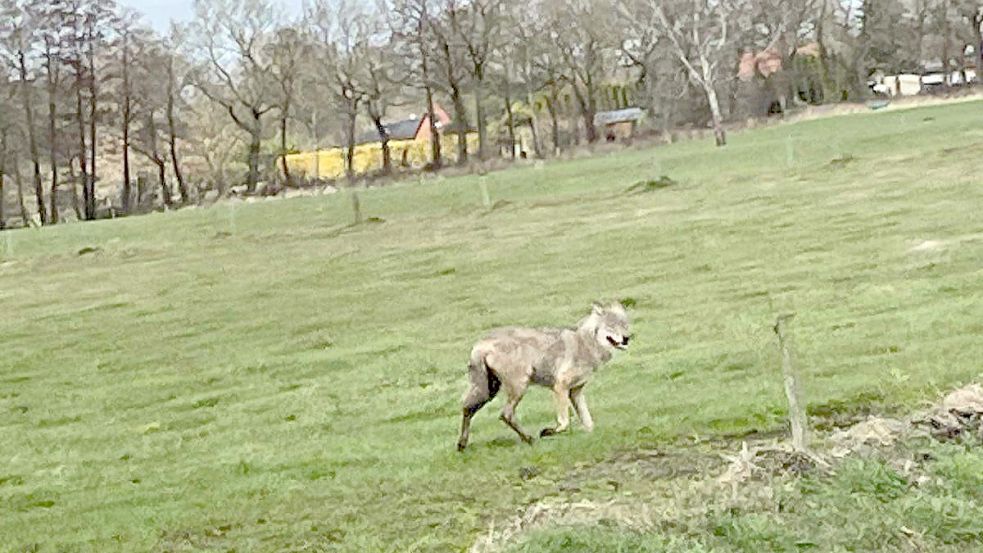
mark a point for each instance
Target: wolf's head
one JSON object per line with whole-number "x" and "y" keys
{"x": 609, "y": 324}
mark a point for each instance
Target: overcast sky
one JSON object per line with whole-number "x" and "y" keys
{"x": 159, "y": 13}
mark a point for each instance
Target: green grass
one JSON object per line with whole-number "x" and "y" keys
{"x": 261, "y": 377}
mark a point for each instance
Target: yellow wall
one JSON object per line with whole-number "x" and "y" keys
{"x": 330, "y": 164}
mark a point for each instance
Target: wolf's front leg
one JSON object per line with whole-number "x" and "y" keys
{"x": 580, "y": 405}
{"x": 561, "y": 400}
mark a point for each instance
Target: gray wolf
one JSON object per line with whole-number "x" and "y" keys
{"x": 562, "y": 359}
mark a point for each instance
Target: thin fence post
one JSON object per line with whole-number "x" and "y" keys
{"x": 796, "y": 410}
{"x": 485, "y": 197}
{"x": 356, "y": 207}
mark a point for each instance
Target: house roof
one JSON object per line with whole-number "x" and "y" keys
{"x": 400, "y": 130}
{"x": 407, "y": 129}
{"x": 618, "y": 116}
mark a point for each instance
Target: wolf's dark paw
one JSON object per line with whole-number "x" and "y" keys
{"x": 546, "y": 432}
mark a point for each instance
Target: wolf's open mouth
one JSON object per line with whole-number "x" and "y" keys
{"x": 617, "y": 344}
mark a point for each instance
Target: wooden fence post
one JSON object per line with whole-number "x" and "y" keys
{"x": 796, "y": 410}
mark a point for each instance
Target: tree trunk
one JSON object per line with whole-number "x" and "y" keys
{"x": 461, "y": 125}
{"x": 479, "y": 114}
{"x": 823, "y": 54}
{"x": 510, "y": 123}
{"x": 718, "y": 127}
{"x": 172, "y": 134}
{"x": 52, "y": 131}
{"x": 287, "y": 179}
{"x": 387, "y": 163}
{"x": 436, "y": 160}
{"x": 590, "y": 131}
{"x": 165, "y": 190}
{"x": 460, "y": 113}
{"x": 555, "y": 121}
{"x": 589, "y": 115}
{"x": 90, "y": 207}
{"x": 534, "y": 126}
{"x": 83, "y": 148}
{"x": 350, "y": 142}
{"x": 436, "y": 157}
{"x": 3, "y": 213}
{"x": 25, "y": 89}
{"x": 127, "y": 191}
{"x": 75, "y": 192}
{"x": 586, "y": 115}
{"x": 127, "y": 186}
{"x": 978, "y": 27}
{"x": 3, "y": 173}
{"x": 946, "y": 32}
{"x": 255, "y": 138}
{"x": 24, "y": 216}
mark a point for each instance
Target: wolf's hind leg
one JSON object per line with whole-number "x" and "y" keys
{"x": 515, "y": 392}
{"x": 561, "y": 400}
{"x": 484, "y": 384}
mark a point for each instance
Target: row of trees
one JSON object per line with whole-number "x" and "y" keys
{"x": 88, "y": 92}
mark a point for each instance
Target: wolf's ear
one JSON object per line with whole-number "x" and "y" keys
{"x": 597, "y": 308}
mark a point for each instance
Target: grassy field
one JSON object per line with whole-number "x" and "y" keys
{"x": 262, "y": 377}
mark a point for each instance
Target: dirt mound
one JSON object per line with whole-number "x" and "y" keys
{"x": 960, "y": 414}
{"x": 873, "y": 432}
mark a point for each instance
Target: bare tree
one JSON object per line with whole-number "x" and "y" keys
{"x": 53, "y": 15}
{"x": 581, "y": 50}
{"x": 97, "y": 16}
{"x": 18, "y": 38}
{"x": 213, "y": 141}
{"x": 73, "y": 46}
{"x": 338, "y": 35}
{"x": 288, "y": 50}
{"x": 477, "y": 24}
{"x": 25, "y": 216}
{"x": 852, "y": 55}
{"x": 548, "y": 63}
{"x": 519, "y": 47}
{"x": 148, "y": 144}
{"x": 449, "y": 56}
{"x": 177, "y": 80}
{"x": 409, "y": 23}
{"x": 382, "y": 74}
{"x": 659, "y": 84}
{"x": 151, "y": 98}
{"x": 232, "y": 36}
{"x": 127, "y": 34}
{"x": 698, "y": 31}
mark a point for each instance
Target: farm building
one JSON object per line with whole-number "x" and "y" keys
{"x": 618, "y": 124}
{"x": 409, "y": 145}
